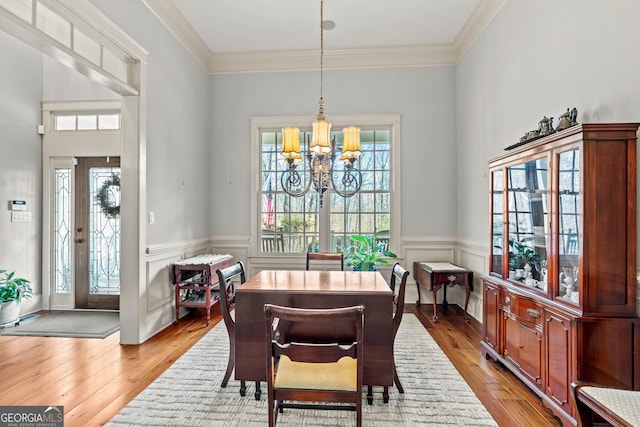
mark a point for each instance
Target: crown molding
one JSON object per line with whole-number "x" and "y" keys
{"x": 171, "y": 17}
{"x": 476, "y": 24}
{"x": 339, "y": 59}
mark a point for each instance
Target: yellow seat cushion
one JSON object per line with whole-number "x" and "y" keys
{"x": 340, "y": 375}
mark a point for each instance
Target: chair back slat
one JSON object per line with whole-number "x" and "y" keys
{"x": 337, "y": 257}
{"x": 318, "y": 353}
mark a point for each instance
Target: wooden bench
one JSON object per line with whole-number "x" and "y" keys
{"x": 616, "y": 406}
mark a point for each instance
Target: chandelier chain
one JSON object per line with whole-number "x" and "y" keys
{"x": 321, "y": 44}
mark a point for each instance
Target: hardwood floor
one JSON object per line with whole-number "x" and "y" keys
{"x": 94, "y": 378}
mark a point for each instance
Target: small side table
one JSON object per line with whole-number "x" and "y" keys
{"x": 195, "y": 278}
{"x": 433, "y": 275}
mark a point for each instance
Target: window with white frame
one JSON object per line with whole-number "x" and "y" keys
{"x": 86, "y": 121}
{"x": 289, "y": 224}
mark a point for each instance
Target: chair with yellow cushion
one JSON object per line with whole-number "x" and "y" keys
{"x": 304, "y": 371}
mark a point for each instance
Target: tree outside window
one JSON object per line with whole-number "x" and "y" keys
{"x": 294, "y": 224}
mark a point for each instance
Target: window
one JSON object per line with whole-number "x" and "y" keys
{"x": 288, "y": 224}
{"x": 102, "y": 121}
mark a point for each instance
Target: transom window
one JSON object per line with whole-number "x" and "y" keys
{"x": 84, "y": 121}
{"x": 289, "y": 224}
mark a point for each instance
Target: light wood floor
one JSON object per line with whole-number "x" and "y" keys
{"x": 94, "y": 378}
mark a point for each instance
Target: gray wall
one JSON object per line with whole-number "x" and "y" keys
{"x": 20, "y": 161}
{"x": 425, "y": 98}
{"x": 535, "y": 59}
{"x": 177, "y": 127}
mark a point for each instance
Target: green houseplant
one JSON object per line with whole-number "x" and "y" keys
{"x": 12, "y": 290}
{"x": 366, "y": 253}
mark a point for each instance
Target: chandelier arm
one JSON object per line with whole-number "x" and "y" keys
{"x": 290, "y": 179}
{"x": 351, "y": 178}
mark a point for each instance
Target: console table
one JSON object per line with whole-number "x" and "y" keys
{"x": 194, "y": 279}
{"x": 433, "y": 275}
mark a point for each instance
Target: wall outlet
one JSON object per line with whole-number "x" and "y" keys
{"x": 20, "y": 216}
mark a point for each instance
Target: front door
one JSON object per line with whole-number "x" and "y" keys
{"x": 97, "y": 233}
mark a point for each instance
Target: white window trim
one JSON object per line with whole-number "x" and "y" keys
{"x": 391, "y": 120}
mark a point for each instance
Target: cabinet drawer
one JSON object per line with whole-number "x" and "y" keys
{"x": 524, "y": 309}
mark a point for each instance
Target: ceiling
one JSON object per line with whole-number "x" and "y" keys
{"x": 237, "y": 35}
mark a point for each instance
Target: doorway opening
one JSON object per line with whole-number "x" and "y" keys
{"x": 82, "y": 163}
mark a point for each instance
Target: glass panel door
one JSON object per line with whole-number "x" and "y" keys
{"x": 497, "y": 221}
{"x": 569, "y": 201}
{"x": 62, "y": 234}
{"x": 528, "y": 223}
{"x": 97, "y": 234}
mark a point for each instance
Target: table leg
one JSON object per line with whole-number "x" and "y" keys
{"x": 207, "y": 299}
{"x": 435, "y": 289}
{"x": 256, "y": 395}
{"x": 177, "y": 292}
{"x": 370, "y": 395}
{"x": 444, "y": 298}
{"x": 418, "y": 286}
{"x": 467, "y": 290}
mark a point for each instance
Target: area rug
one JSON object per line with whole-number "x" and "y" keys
{"x": 67, "y": 323}
{"x": 189, "y": 392}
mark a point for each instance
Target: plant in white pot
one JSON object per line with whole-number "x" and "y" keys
{"x": 12, "y": 290}
{"x": 366, "y": 253}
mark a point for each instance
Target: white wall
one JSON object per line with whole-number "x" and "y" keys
{"x": 537, "y": 58}
{"x": 20, "y": 160}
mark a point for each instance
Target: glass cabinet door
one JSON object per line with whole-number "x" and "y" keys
{"x": 497, "y": 221}
{"x": 528, "y": 217}
{"x": 569, "y": 201}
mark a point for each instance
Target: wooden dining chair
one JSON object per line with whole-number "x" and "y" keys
{"x": 227, "y": 307}
{"x": 325, "y": 256}
{"x": 305, "y": 371}
{"x": 398, "y": 285}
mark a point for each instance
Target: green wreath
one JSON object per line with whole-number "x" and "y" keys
{"x": 108, "y": 205}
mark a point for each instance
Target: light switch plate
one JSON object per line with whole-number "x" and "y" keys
{"x": 17, "y": 216}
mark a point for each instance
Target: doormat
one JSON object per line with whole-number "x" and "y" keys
{"x": 67, "y": 323}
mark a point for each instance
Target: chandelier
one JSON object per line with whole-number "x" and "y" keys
{"x": 321, "y": 152}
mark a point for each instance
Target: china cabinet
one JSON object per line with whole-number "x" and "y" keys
{"x": 560, "y": 298}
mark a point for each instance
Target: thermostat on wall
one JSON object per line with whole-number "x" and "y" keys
{"x": 18, "y": 205}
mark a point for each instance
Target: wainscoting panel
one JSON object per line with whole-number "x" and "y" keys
{"x": 160, "y": 293}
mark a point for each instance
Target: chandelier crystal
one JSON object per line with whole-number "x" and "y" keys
{"x": 321, "y": 152}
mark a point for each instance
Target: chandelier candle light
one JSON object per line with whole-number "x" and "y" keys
{"x": 321, "y": 154}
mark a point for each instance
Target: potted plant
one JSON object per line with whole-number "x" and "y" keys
{"x": 366, "y": 254}
{"x": 522, "y": 255}
{"x": 12, "y": 290}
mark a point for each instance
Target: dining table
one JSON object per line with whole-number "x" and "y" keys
{"x": 315, "y": 289}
